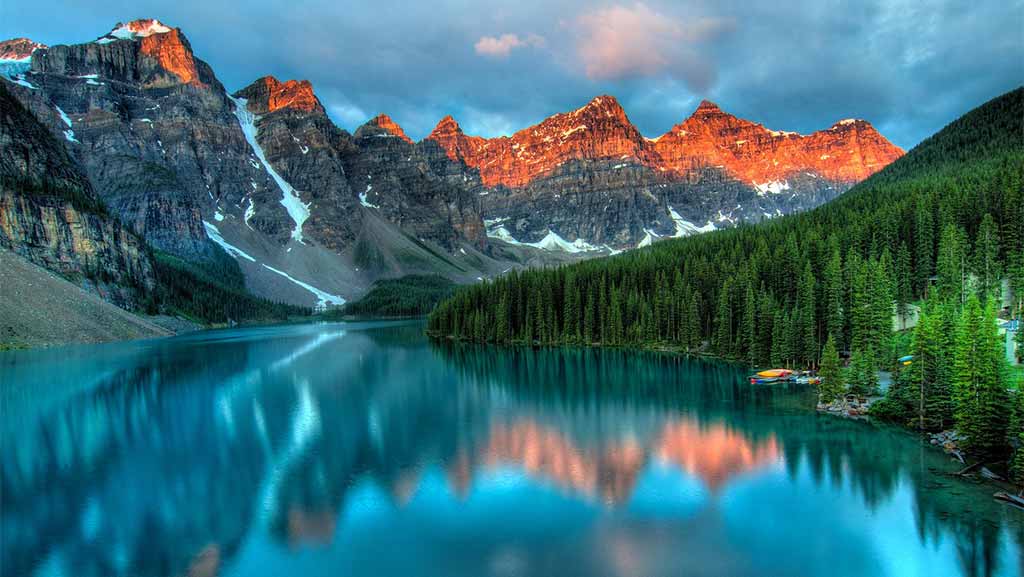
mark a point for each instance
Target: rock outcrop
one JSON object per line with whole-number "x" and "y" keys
{"x": 590, "y": 178}
{"x": 50, "y": 215}
{"x": 18, "y": 48}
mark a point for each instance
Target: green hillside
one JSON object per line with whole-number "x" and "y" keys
{"x": 407, "y": 296}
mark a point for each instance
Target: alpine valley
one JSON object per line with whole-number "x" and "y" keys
{"x": 125, "y": 155}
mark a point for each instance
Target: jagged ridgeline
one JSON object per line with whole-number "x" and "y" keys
{"x": 773, "y": 292}
{"x": 51, "y": 216}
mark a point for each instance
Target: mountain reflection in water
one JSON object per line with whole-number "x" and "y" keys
{"x": 363, "y": 449}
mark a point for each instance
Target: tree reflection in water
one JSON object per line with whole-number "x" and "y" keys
{"x": 204, "y": 455}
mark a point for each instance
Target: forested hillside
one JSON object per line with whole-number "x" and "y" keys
{"x": 407, "y": 296}
{"x": 947, "y": 219}
{"x": 212, "y": 295}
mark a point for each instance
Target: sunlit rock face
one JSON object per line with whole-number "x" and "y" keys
{"x": 152, "y": 128}
{"x": 389, "y": 127}
{"x": 18, "y": 48}
{"x": 306, "y": 149}
{"x": 268, "y": 94}
{"x": 589, "y": 175}
{"x": 598, "y": 130}
{"x": 849, "y": 151}
{"x": 142, "y": 51}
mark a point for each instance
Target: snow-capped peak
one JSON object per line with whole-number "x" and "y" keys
{"x": 134, "y": 30}
{"x": 18, "y": 50}
{"x": 845, "y": 122}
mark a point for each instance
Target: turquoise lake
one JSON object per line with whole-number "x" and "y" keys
{"x": 364, "y": 449}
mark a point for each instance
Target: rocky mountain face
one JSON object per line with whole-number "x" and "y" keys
{"x": 261, "y": 174}
{"x": 18, "y": 49}
{"x": 593, "y": 180}
{"x": 348, "y": 182}
{"x": 50, "y": 215}
{"x": 314, "y": 214}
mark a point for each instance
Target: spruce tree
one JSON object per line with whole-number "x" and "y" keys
{"x": 749, "y": 328}
{"x": 924, "y": 244}
{"x": 950, "y": 264}
{"x": 861, "y": 375}
{"x": 806, "y": 324}
{"x": 833, "y": 295}
{"x": 903, "y": 290}
{"x": 979, "y": 388}
{"x": 693, "y": 319}
{"x": 985, "y": 263}
{"x": 831, "y": 373}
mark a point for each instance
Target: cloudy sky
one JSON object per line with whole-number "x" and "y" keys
{"x": 908, "y": 66}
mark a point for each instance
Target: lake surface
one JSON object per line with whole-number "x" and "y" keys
{"x": 363, "y": 449}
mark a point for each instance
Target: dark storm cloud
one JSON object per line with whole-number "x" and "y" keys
{"x": 907, "y": 66}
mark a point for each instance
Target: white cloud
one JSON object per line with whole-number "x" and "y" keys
{"x": 347, "y": 114}
{"x": 620, "y": 42}
{"x": 502, "y": 46}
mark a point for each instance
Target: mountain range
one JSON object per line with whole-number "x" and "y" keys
{"x": 136, "y": 128}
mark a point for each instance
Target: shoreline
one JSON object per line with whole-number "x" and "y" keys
{"x": 1003, "y": 485}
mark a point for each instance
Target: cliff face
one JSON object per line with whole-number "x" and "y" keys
{"x": 50, "y": 214}
{"x": 592, "y": 179}
{"x": 18, "y": 49}
{"x": 345, "y": 178}
{"x": 405, "y": 183}
{"x": 305, "y": 149}
{"x": 848, "y": 152}
{"x": 598, "y": 130}
{"x": 151, "y": 126}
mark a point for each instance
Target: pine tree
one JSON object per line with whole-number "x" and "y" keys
{"x": 986, "y": 259}
{"x": 833, "y": 295}
{"x": 693, "y": 318}
{"x": 806, "y": 323}
{"x": 929, "y": 374}
{"x": 1015, "y": 437}
{"x": 723, "y": 320}
{"x": 881, "y": 307}
{"x": 950, "y": 264}
{"x": 979, "y": 390}
{"x": 749, "y": 328}
{"x": 924, "y": 244}
{"x": 831, "y": 373}
{"x": 903, "y": 289}
{"x": 861, "y": 375}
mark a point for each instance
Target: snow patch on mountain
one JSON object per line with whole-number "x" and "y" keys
{"x": 551, "y": 242}
{"x": 298, "y": 210}
{"x": 685, "y": 227}
{"x": 323, "y": 298}
{"x": 362, "y": 197}
{"x": 648, "y": 239}
{"x": 13, "y": 67}
{"x": 214, "y": 233}
{"x": 134, "y": 30}
{"x": 773, "y": 187}
{"x": 14, "y": 70}
{"x": 554, "y": 242}
{"x": 68, "y": 134}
